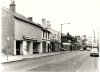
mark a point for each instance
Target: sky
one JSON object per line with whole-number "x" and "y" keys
{"x": 83, "y": 15}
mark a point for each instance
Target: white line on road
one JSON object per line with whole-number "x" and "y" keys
{"x": 44, "y": 64}
{"x": 38, "y": 66}
{"x": 41, "y": 65}
{"x": 31, "y": 68}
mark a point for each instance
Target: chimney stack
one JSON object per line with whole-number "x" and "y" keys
{"x": 12, "y": 6}
{"x": 44, "y": 23}
{"x": 48, "y": 25}
{"x": 30, "y": 18}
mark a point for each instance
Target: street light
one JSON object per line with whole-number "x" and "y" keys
{"x": 61, "y": 34}
{"x": 8, "y": 46}
{"x": 98, "y": 39}
{"x": 94, "y": 35}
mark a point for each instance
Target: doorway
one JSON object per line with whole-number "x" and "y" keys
{"x": 18, "y": 46}
{"x": 35, "y": 47}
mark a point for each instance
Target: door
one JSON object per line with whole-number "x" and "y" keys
{"x": 17, "y": 48}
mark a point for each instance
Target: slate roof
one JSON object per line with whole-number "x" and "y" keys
{"x": 45, "y": 29}
{"x": 21, "y": 17}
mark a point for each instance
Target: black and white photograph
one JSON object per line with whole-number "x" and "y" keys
{"x": 50, "y": 36}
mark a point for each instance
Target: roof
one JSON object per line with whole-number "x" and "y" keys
{"x": 21, "y": 17}
{"x": 45, "y": 29}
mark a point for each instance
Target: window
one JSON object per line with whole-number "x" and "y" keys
{"x": 48, "y": 35}
{"x": 53, "y": 36}
{"x": 43, "y": 34}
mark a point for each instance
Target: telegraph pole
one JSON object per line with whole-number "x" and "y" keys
{"x": 94, "y": 35}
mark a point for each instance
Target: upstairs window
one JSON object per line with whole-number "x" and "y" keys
{"x": 43, "y": 34}
{"x": 48, "y": 35}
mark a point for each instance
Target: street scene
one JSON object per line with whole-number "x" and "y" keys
{"x": 75, "y": 61}
{"x": 50, "y": 36}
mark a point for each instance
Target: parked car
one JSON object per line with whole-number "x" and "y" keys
{"x": 62, "y": 49}
{"x": 88, "y": 49}
{"x": 81, "y": 49}
{"x": 94, "y": 52}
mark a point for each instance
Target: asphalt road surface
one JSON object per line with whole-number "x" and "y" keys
{"x": 76, "y": 61}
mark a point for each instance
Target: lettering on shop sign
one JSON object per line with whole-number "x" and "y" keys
{"x": 29, "y": 38}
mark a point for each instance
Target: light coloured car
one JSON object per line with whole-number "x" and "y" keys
{"x": 94, "y": 52}
{"x": 81, "y": 49}
{"x": 88, "y": 49}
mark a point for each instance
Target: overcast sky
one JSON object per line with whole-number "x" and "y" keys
{"x": 83, "y": 15}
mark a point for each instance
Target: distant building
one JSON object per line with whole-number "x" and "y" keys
{"x": 78, "y": 42}
{"x": 68, "y": 42}
{"x": 89, "y": 42}
{"x": 84, "y": 42}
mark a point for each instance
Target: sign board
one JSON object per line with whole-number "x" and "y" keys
{"x": 66, "y": 43}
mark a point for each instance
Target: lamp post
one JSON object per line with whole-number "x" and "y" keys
{"x": 94, "y": 35}
{"x": 98, "y": 39}
{"x": 61, "y": 35}
{"x": 8, "y": 47}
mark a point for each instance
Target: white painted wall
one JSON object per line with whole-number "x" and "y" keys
{"x": 31, "y": 48}
{"x": 24, "y": 48}
{"x": 40, "y": 49}
{"x": 14, "y": 47}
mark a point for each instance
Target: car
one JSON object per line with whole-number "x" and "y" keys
{"x": 62, "y": 49}
{"x": 81, "y": 49}
{"x": 94, "y": 52}
{"x": 88, "y": 49}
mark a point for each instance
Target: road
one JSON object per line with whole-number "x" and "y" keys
{"x": 76, "y": 61}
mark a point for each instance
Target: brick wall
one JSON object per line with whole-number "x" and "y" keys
{"x": 7, "y": 29}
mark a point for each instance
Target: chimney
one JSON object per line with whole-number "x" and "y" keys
{"x": 12, "y": 5}
{"x": 30, "y": 18}
{"x": 48, "y": 25}
{"x": 44, "y": 23}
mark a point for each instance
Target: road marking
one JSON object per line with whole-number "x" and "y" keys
{"x": 37, "y": 66}
{"x": 31, "y": 68}
{"x": 74, "y": 63}
{"x": 45, "y": 63}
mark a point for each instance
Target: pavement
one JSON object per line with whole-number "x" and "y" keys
{"x": 23, "y": 57}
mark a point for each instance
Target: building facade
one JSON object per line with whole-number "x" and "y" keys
{"x": 55, "y": 40}
{"x": 50, "y": 37}
{"x": 78, "y": 42}
{"x": 20, "y": 35}
{"x": 89, "y": 42}
{"x": 45, "y": 37}
{"x": 68, "y": 42}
